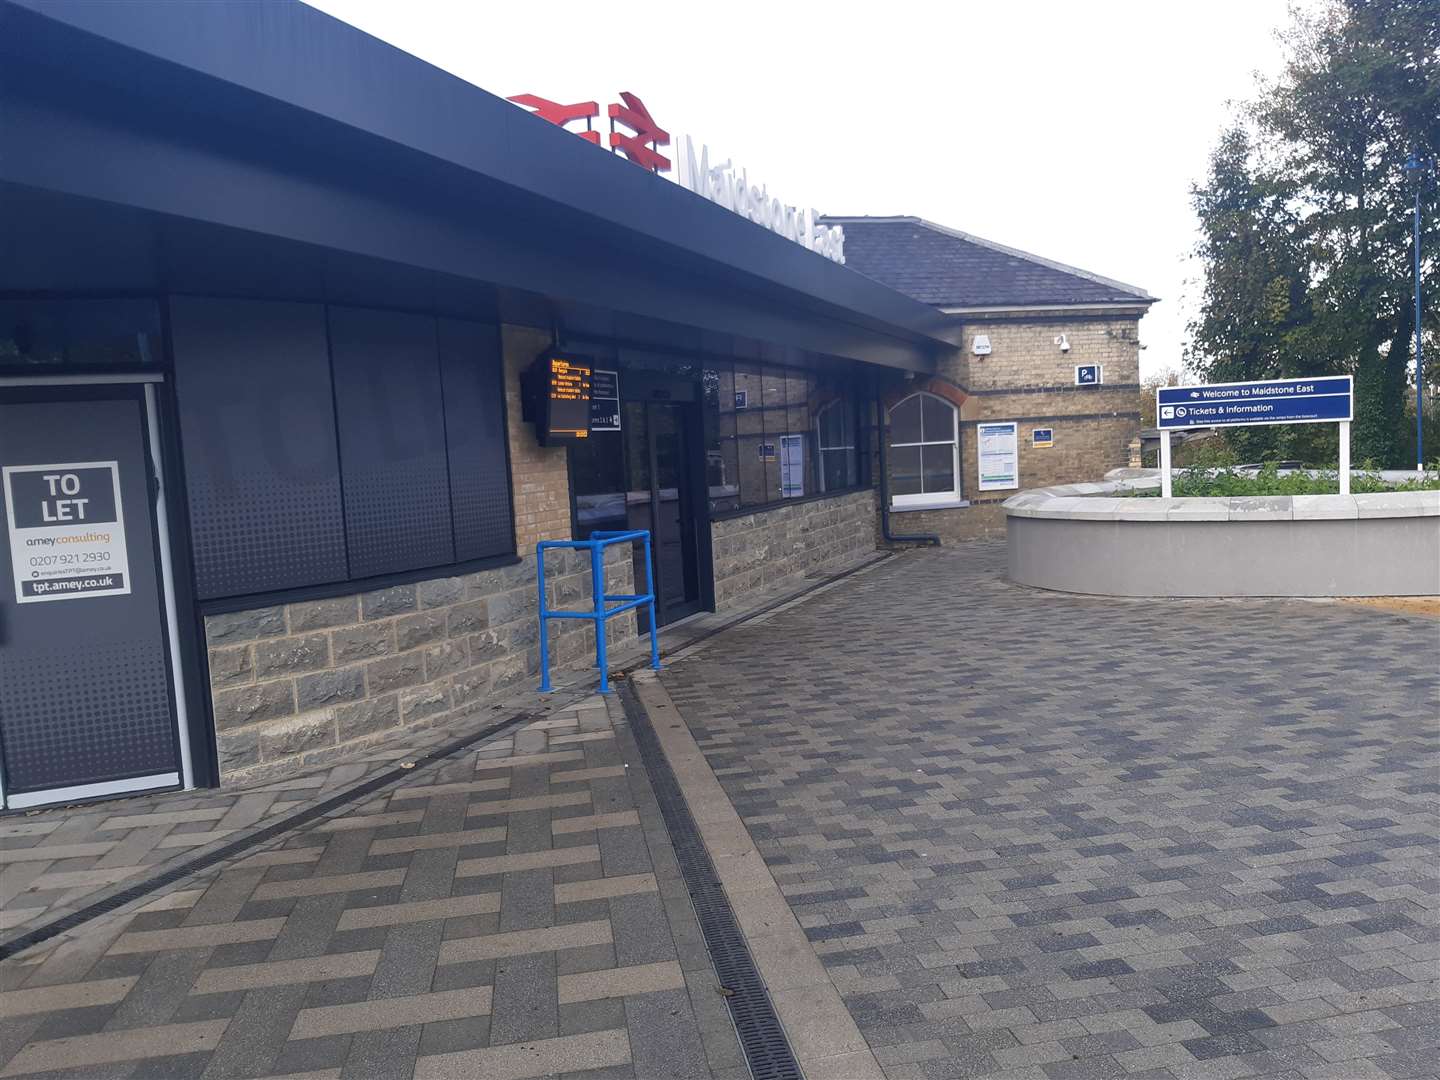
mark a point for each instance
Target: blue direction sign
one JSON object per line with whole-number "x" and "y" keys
{"x": 1327, "y": 399}
{"x": 1088, "y": 374}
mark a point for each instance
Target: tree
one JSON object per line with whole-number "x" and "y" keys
{"x": 1170, "y": 376}
{"x": 1305, "y": 219}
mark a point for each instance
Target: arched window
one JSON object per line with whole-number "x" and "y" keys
{"x": 924, "y": 452}
{"x": 835, "y": 430}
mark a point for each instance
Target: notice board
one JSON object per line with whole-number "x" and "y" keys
{"x": 999, "y": 456}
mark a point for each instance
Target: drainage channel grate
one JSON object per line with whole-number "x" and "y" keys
{"x": 767, "y": 1051}
{"x": 260, "y": 836}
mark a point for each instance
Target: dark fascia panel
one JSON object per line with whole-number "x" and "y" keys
{"x": 316, "y": 69}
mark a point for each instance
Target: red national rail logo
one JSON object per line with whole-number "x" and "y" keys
{"x": 640, "y": 144}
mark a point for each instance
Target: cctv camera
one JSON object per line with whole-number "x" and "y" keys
{"x": 1063, "y": 342}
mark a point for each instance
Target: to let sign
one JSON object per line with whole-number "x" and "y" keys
{"x": 66, "y": 530}
{"x": 1325, "y": 400}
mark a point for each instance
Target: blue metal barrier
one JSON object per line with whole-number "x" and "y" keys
{"x": 596, "y": 545}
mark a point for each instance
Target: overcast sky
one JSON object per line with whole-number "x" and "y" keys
{"x": 1071, "y": 130}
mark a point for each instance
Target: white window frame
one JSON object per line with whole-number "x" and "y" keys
{"x": 929, "y": 500}
{"x": 838, "y": 403}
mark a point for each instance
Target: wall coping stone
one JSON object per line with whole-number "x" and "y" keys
{"x": 1102, "y": 501}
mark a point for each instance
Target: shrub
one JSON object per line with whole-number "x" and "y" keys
{"x": 1199, "y": 482}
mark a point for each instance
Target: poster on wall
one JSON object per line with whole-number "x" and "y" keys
{"x": 999, "y": 456}
{"x": 604, "y": 400}
{"x": 67, "y": 531}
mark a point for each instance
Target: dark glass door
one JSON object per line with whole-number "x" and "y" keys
{"x": 670, "y": 508}
{"x": 648, "y": 475}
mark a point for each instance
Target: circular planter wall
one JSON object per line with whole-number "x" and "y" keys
{"x": 1082, "y": 538}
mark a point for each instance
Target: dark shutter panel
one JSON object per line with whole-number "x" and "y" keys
{"x": 392, "y": 441}
{"x": 257, "y": 421}
{"x": 475, "y": 432}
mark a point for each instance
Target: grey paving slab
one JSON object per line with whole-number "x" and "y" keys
{"x": 383, "y": 1055}
{"x": 1068, "y": 836}
{"x": 526, "y": 1006}
{"x": 664, "y": 1038}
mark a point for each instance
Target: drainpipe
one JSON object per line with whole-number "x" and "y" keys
{"x": 884, "y": 432}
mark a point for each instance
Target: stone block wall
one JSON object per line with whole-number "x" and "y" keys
{"x": 776, "y": 547}
{"x": 300, "y": 684}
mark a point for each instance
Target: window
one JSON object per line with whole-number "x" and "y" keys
{"x": 924, "y": 452}
{"x": 118, "y": 333}
{"x": 835, "y": 426}
{"x": 777, "y": 433}
{"x": 751, "y": 446}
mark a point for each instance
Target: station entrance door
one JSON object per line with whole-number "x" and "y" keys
{"x": 650, "y": 475}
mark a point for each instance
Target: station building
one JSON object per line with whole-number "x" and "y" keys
{"x": 272, "y": 298}
{"x": 1051, "y": 348}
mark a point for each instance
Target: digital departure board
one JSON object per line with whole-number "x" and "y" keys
{"x": 564, "y": 392}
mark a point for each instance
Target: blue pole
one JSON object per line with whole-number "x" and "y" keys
{"x": 597, "y": 587}
{"x": 544, "y": 626}
{"x": 650, "y": 590}
{"x": 1419, "y": 354}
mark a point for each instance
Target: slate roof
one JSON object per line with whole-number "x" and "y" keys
{"x": 949, "y": 268}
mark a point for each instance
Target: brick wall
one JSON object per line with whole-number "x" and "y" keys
{"x": 1024, "y": 353}
{"x": 296, "y": 685}
{"x": 1084, "y": 450}
{"x": 1027, "y": 379}
{"x": 540, "y": 474}
{"x": 777, "y": 547}
{"x": 982, "y": 522}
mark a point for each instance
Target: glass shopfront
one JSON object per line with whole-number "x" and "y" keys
{"x": 778, "y": 433}
{"x": 707, "y": 438}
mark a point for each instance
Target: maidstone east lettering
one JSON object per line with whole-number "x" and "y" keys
{"x": 1289, "y": 389}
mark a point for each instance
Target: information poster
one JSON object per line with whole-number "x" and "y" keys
{"x": 999, "y": 456}
{"x": 605, "y": 400}
{"x": 67, "y": 531}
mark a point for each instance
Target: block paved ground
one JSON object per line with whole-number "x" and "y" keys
{"x": 514, "y": 912}
{"x": 60, "y": 859}
{"x": 1062, "y": 838}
